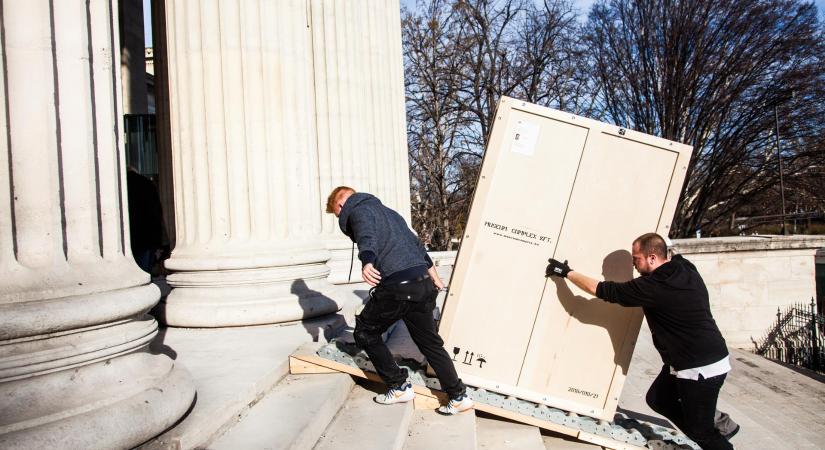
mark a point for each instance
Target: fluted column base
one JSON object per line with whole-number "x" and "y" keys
{"x": 285, "y": 285}
{"x": 342, "y": 258}
{"x": 93, "y": 386}
{"x": 116, "y": 403}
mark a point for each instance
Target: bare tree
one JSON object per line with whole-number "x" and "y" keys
{"x": 435, "y": 120}
{"x": 461, "y": 56}
{"x": 524, "y": 50}
{"x": 713, "y": 73}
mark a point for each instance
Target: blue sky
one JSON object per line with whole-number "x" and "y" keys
{"x": 147, "y": 23}
{"x": 582, "y": 5}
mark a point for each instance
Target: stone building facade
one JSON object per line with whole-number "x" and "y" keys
{"x": 264, "y": 106}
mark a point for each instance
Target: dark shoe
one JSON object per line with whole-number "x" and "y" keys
{"x": 730, "y": 435}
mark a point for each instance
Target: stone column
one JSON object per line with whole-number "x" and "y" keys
{"x": 162, "y": 131}
{"x": 360, "y": 111}
{"x": 74, "y": 372}
{"x": 246, "y": 169}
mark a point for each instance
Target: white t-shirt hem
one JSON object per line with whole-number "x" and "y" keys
{"x": 711, "y": 370}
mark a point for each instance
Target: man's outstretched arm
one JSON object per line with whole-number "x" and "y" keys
{"x": 584, "y": 282}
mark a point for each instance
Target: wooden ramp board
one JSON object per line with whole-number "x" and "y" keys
{"x": 611, "y": 435}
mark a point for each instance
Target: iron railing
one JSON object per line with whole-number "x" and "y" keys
{"x": 796, "y": 338}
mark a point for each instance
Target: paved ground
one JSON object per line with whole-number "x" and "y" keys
{"x": 777, "y": 407}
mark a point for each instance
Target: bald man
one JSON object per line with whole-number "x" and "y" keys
{"x": 676, "y": 305}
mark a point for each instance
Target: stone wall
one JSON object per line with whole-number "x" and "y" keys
{"x": 747, "y": 277}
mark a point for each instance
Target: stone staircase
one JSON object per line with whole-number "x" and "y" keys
{"x": 334, "y": 411}
{"x": 293, "y": 415}
{"x": 248, "y": 400}
{"x": 330, "y": 411}
{"x": 359, "y": 424}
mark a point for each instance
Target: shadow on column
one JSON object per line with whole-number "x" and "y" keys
{"x": 157, "y": 347}
{"x": 323, "y": 327}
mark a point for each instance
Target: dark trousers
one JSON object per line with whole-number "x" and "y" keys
{"x": 690, "y": 405}
{"x": 414, "y": 304}
{"x": 145, "y": 258}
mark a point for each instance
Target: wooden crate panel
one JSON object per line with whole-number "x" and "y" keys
{"x": 507, "y": 246}
{"x": 553, "y": 184}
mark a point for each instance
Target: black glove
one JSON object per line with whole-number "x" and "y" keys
{"x": 557, "y": 269}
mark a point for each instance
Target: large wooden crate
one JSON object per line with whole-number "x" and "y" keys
{"x": 557, "y": 185}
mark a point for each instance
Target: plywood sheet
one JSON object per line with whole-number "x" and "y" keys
{"x": 555, "y": 184}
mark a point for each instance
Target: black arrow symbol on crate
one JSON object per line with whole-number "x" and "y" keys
{"x": 470, "y": 361}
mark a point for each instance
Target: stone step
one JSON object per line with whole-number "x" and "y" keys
{"x": 495, "y": 433}
{"x": 363, "y": 424}
{"x": 235, "y": 367}
{"x": 430, "y": 430}
{"x": 292, "y": 416}
{"x": 555, "y": 441}
{"x": 232, "y": 368}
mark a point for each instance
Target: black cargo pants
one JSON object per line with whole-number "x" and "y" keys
{"x": 690, "y": 405}
{"x": 413, "y": 302}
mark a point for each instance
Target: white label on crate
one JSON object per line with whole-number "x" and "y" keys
{"x": 526, "y": 137}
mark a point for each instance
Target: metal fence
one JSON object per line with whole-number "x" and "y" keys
{"x": 796, "y": 338}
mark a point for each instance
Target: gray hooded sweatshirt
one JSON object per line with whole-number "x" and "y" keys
{"x": 382, "y": 235}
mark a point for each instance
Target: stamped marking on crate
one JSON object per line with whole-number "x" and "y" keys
{"x": 517, "y": 233}
{"x": 582, "y": 392}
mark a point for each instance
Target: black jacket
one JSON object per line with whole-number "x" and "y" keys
{"x": 145, "y": 214}
{"x": 675, "y": 302}
{"x": 382, "y": 235}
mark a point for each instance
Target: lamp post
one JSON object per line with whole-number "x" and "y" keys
{"x": 781, "y": 175}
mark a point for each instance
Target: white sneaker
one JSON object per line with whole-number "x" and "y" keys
{"x": 456, "y": 405}
{"x": 402, "y": 394}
